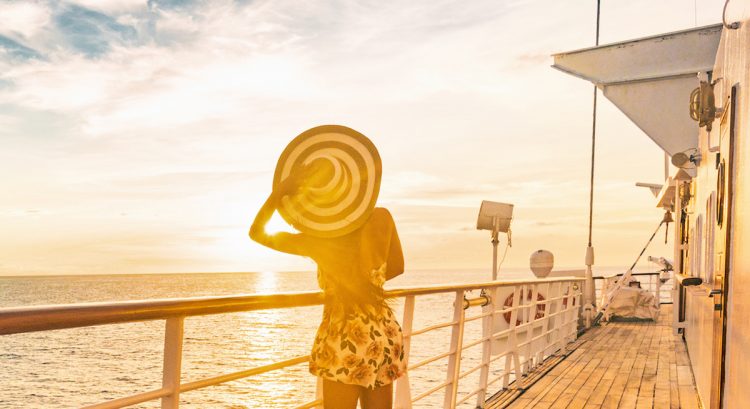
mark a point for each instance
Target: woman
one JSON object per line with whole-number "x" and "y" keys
{"x": 358, "y": 347}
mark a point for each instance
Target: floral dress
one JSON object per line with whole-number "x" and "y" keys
{"x": 362, "y": 346}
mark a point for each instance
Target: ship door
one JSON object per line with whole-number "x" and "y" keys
{"x": 720, "y": 284}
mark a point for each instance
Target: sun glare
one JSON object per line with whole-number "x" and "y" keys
{"x": 277, "y": 224}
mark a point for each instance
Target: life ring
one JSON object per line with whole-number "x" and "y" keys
{"x": 539, "y": 307}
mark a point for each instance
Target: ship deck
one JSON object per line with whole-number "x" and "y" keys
{"x": 615, "y": 365}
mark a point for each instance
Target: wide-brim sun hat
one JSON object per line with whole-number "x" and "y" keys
{"x": 342, "y": 182}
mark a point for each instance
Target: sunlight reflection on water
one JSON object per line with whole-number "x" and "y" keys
{"x": 68, "y": 368}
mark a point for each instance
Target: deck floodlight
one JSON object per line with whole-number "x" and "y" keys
{"x": 495, "y": 217}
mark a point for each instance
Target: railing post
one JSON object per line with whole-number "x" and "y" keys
{"x": 512, "y": 351}
{"x": 403, "y": 389}
{"x": 454, "y": 360}
{"x": 676, "y": 302}
{"x": 529, "y": 364}
{"x": 658, "y": 291}
{"x": 559, "y": 318}
{"x": 572, "y": 311}
{"x": 171, "y": 375}
{"x": 319, "y": 392}
{"x": 545, "y": 340}
{"x": 488, "y": 331}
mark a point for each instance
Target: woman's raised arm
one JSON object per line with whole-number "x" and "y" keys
{"x": 299, "y": 244}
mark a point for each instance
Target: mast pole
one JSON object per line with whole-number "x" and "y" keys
{"x": 589, "y": 291}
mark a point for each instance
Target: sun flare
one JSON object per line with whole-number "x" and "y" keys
{"x": 277, "y": 224}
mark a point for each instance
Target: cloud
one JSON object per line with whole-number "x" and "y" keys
{"x": 23, "y": 19}
{"x": 173, "y": 114}
{"x": 90, "y": 32}
{"x": 16, "y": 51}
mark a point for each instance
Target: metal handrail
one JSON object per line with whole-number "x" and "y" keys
{"x": 650, "y": 273}
{"x": 654, "y": 285}
{"x": 50, "y": 317}
{"x": 174, "y": 311}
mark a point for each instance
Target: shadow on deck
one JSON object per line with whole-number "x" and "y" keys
{"x": 616, "y": 365}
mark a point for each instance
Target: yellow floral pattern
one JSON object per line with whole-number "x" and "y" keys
{"x": 359, "y": 346}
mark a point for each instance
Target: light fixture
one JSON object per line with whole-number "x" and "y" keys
{"x": 687, "y": 159}
{"x": 495, "y": 217}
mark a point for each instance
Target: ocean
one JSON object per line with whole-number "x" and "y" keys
{"x": 82, "y": 366}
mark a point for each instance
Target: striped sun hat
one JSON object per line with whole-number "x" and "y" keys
{"x": 342, "y": 190}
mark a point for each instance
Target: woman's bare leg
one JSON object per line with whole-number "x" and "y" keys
{"x": 337, "y": 395}
{"x": 378, "y": 398}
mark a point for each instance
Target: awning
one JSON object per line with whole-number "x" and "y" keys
{"x": 650, "y": 80}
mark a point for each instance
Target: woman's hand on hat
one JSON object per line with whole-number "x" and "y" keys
{"x": 296, "y": 181}
{"x": 288, "y": 186}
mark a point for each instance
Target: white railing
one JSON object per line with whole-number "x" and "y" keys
{"x": 522, "y": 331}
{"x": 651, "y": 281}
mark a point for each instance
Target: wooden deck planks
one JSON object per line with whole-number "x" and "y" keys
{"x": 620, "y": 365}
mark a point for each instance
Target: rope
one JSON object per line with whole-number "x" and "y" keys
{"x": 624, "y": 277}
{"x": 593, "y": 138}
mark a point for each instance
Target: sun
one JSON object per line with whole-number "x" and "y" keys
{"x": 277, "y": 224}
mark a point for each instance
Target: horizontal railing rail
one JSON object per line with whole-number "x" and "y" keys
{"x": 654, "y": 285}
{"x": 51, "y": 317}
{"x": 528, "y": 339}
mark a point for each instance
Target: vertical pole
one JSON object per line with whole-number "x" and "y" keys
{"x": 677, "y": 257}
{"x": 172, "y": 362}
{"x": 488, "y": 337}
{"x": 512, "y": 350}
{"x": 529, "y": 364}
{"x": 676, "y": 307}
{"x": 495, "y": 241}
{"x": 403, "y": 390}
{"x": 570, "y": 312}
{"x": 559, "y": 317}
{"x": 454, "y": 360}
{"x": 589, "y": 302}
{"x": 589, "y": 289}
{"x": 319, "y": 392}
{"x": 658, "y": 291}
{"x": 545, "y": 340}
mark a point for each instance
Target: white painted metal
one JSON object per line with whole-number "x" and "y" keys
{"x": 403, "y": 388}
{"x": 653, "y": 187}
{"x": 454, "y": 361}
{"x": 172, "y": 362}
{"x": 539, "y": 336}
{"x": 659, "y": 56}
{"x": 589, "y": 289}
{"x": 318, "y": 394}
{"x": 486, "y": 353}
{"x": 512, "y": 339}
{"x": 659, "y": 109}
{"x": 650, "y": 79}
{"x": 665, "y": 198}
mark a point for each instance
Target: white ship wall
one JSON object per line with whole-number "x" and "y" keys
{"x": 734, "y": 65}
{"x": 699, "y": 306}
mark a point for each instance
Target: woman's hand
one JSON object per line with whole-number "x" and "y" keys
{"x": 296, "y": 181}
{"x": 288, "y": 186}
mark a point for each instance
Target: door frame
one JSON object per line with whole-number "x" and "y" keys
{"x": 721, "y": 281}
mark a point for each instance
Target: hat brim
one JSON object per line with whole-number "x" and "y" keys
{"x": 344, "y": 201}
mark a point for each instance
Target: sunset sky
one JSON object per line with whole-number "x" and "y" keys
{"x": 141, "y": 137}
